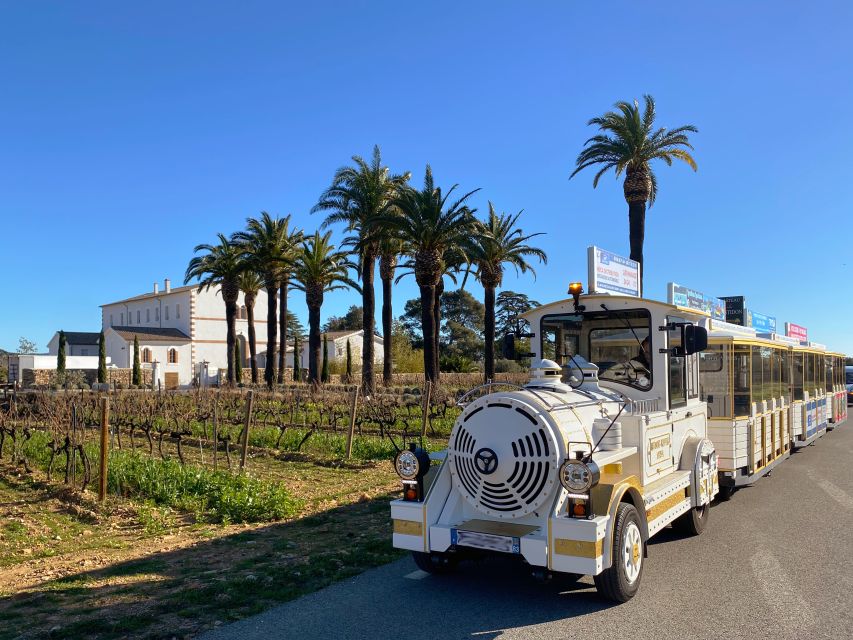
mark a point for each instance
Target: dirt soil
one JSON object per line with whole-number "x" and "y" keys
{"x": 71, "y": 568}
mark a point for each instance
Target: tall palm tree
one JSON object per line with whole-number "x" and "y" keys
{"x": 358, "y": 195}
{"x": 499, "y": 242}
{"x": 220, "y": 266}
{"x": 268, "y": 244}
{"x": 319, "y": 268}
{"x": 430, "y": 225}
{"x": 628, "y": 143}
{"x": 390, "y": 248}
{"x": 250, "y": 285}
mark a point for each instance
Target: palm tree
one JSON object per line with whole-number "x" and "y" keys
{"x": 268, "y": 245}
{"x": 319, "y": 268}
{"x": 499, "y": 242}
{"x": 389, "y": 250}
{"x": 250, "y": 285}
{"x": 629, "y": 143}
{"x": 359, "y": 195}
{"x": 429, "y": 226}
{"x": 220, "y": 265}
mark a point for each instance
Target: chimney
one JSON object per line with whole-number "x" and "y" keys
{"x": 156, "y": 288}
{"x": 167, "y": 285}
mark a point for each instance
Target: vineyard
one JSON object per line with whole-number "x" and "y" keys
{"x": 215, "y": 453}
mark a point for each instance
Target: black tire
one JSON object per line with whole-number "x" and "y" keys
{"x": 615, "y": 583}
{"x": 725, "y": 493}
{"x": 694, "y": 521}
{"x": 435, "y": 563}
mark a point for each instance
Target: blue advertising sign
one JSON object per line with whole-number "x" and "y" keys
{"x": 692, "y": 299}
{"x": 612, "y": 273}
{"x": 760, "y": 322}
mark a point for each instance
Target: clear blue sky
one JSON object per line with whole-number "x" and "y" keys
{"x": 130, "y": 132}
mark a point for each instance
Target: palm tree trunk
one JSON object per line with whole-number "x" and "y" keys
{"x": 490, "y": 333}
{"x": 313, "y": 338}
{"x": 272, "y": 331}
{"x": 253, "y": 349}
{"x": 368, "y": 300}
{"x": 428, "y": 327}
{"x": 387, "y": 364}
{"x": 637, "y": 233}
{"x": 231, "y": 335}
{"x": 282, "y": 323}
{"x": 439, "y": 290}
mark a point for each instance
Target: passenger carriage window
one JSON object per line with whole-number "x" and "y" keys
{"x": 742, "y": 380}
{"x": 714, "y": 380}
{"x": 786, "y": 358}
{"x": 799, "y": 375}
{"x": 828, "y": 365}
{"x": 757, "y": 379}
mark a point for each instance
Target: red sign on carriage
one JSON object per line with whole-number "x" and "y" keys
{"x": 796, "y": 331}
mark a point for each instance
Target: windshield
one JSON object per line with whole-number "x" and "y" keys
{"x": 848, "y": 375}
{"x": 617, "y": 341}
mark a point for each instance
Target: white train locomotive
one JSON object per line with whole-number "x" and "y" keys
{"x": 602, "y": 448}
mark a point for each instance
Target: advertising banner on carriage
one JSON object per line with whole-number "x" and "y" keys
{"x": 796, "y": 331}
{"x": 735, "y": 306}
{"x": 612, "y": 273}
{"x": 692, "y": 299}
{"x": 760, "y": 322}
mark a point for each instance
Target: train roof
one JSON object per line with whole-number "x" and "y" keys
{"x": 567, "y": 305}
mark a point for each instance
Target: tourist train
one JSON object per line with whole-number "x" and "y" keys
{"x": 637, "y": 414}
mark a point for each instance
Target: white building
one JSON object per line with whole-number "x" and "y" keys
{"x": 181, "y": 332}
{"x": 337, "y": 348}
{"x": 77, "y": 343}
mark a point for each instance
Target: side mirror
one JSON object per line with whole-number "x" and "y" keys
{"x": 693, "y": 339}
{"x": 508, "y": 346}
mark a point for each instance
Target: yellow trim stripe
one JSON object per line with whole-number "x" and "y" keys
{"x": 408, "y": 527}
{"x": 578, "y": 548}
{"x": 658, "y": 509}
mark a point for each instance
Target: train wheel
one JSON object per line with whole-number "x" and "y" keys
{"x": 436, "y": 563}
{"x": 622, "y": 580}
{"x": 694, "y": 521}
{"x": 726, "y": 492}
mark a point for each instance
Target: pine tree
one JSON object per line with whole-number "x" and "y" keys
{"x": 324, "y": 372}
{"x": 238, "y": 363}
{"x": 297, "y": 374}
{"x": 136, "y": 375}
{"x": 102, "y": 359}
{"x": 60, "y": 358}
{"x": 349, "y": 362}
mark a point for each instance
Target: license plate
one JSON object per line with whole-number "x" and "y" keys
{"x": 488, "y": 541}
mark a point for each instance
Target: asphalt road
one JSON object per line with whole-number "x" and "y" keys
{"x": 775, "y": 562}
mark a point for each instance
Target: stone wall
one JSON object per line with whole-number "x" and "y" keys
{"x": 47, "y": 377}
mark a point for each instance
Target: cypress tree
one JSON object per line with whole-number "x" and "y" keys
{"x": 297, "y": 374}
{"x": 238, "y": 363}
{"x": 102, "y": 359}
{"x": 324, "y": 372}
{"x": 136, "y": 375}
{"x": 349, "y": 362}
{"x": 60, "y": 358}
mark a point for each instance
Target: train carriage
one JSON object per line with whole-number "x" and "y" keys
{"x": 745, "y": 379}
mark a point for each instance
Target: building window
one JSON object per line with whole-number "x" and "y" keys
{"x": 111, "y": 319}
{"x": 146, "y": 355}
{"x": 148, "y": 314}
{"x": 177, "y": 312}
{"x": 167, "y": 312}
{"x": 157, "y": 314}
{"x": 138, "y": 316}
{"x": 122, "y": 318}
{"x": 173, "y": 356}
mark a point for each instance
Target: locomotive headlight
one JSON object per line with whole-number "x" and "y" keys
{"x": 579, "y": 477}
{"x": 407, "y": 465}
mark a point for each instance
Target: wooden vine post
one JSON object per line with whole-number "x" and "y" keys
{"x": 215, "y": 431}
{"x": 105, "y": 427}
{"x": 427, "y": 393}
{"x": 352, "y": 409}
{"x": 247, "y": 420}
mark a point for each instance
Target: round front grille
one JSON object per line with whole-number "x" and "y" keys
{"x": 503, "y": 457}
